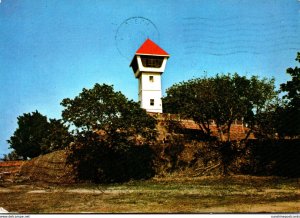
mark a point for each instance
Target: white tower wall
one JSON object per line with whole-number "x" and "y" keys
{"x": 150, "y": 91}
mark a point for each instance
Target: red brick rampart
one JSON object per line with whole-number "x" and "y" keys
{"x": 238, "y": 129}
{"x": 11, "y": 163}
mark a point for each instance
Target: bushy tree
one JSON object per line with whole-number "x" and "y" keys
{"x": 291, "y": 116}
{"x": 58, "y": 137}
{"x": 112, "y": 135}
{"x": 281, "y": 118}
{"x": 28, "y": 137}
{"x": 268, "y": 122}
{"x": 223, "y": 99}
{"x": 35, "y": 135}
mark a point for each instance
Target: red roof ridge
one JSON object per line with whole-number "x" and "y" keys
{"x": 151, "y": 48}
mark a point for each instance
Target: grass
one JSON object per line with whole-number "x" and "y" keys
{"x": 159, "y": 195}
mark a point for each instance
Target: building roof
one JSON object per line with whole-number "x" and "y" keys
{"x": 150, "y": 48}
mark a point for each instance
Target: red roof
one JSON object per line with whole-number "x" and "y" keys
{"x": 150, "y": 48}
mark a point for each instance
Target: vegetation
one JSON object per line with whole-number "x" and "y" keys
{"x": 177, "y": 194}
{"x": 271, "y": 157}
{"x": 282, "y": 117}
{"x": 111, "y": 136}
{"x": 223, "y": 99}
{"x": 291, "y": 112}
{"x": 36, "y": 135}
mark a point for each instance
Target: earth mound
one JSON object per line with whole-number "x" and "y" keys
{"x": 49, "y": 168}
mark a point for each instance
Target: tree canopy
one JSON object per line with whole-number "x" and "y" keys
{"x": 291, "y": 111}
{"x": 223, "y": 99}
{"x": 292, "y": 87}
{"x": 35, "y": 135}
{"x": 108, "y": 130}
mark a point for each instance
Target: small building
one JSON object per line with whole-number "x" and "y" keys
{"x": 148, "y": 65}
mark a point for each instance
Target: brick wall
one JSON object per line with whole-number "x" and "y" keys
{"x": 238, "y": 129}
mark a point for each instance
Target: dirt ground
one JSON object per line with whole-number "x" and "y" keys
{"x": 173, "y": 194}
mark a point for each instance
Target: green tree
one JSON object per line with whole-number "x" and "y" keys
{"x": 35, "y": 135}
{"x": 269, "y": 123}
{"x": 191, "y": 99}
{"x": 222, "y": 99}
{"x": 26, "y": 140}
{"x": 291, "y": 116}
{"x": 58, "y": 137}
{"x": 112, "y": 135}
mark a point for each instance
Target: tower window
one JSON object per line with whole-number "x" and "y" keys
{"x": 151, "y": 78}
{"x": 152, "y": 61}
{"x": 151, "y": 102}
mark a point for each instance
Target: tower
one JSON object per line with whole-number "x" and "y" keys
{"x": 148, "y": 64}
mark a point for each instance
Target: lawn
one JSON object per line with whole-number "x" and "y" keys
{"x": 171, "y": 194}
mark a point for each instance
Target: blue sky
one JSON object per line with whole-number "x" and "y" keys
{"x": 51, "y": 49}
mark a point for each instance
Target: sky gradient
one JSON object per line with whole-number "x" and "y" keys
{"x": 51, "y": 49}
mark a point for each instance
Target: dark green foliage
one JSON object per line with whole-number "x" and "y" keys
{"x": 35, "y": 135}
{"x": 101, "y": 162}
{"x": 272, "y": 157}
{"x": 281, "y": 118}
{"x": 112, "y": 136}
{"x": 173, "y": 147}
{"x": 101, "y": 108}
{"x": 58, "y": 137}
{"x": 227, "y": 154}
{"x": 293, "y": 87}
{"x": 28, "y": 137}
{"x": 269, "y": 123}
{"x": 292, "y": 110}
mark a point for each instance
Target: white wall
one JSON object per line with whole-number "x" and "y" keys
{"x": 147, "y": 84}
{"x": 150, "y": 90}
{"x": 156, "y": 95}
